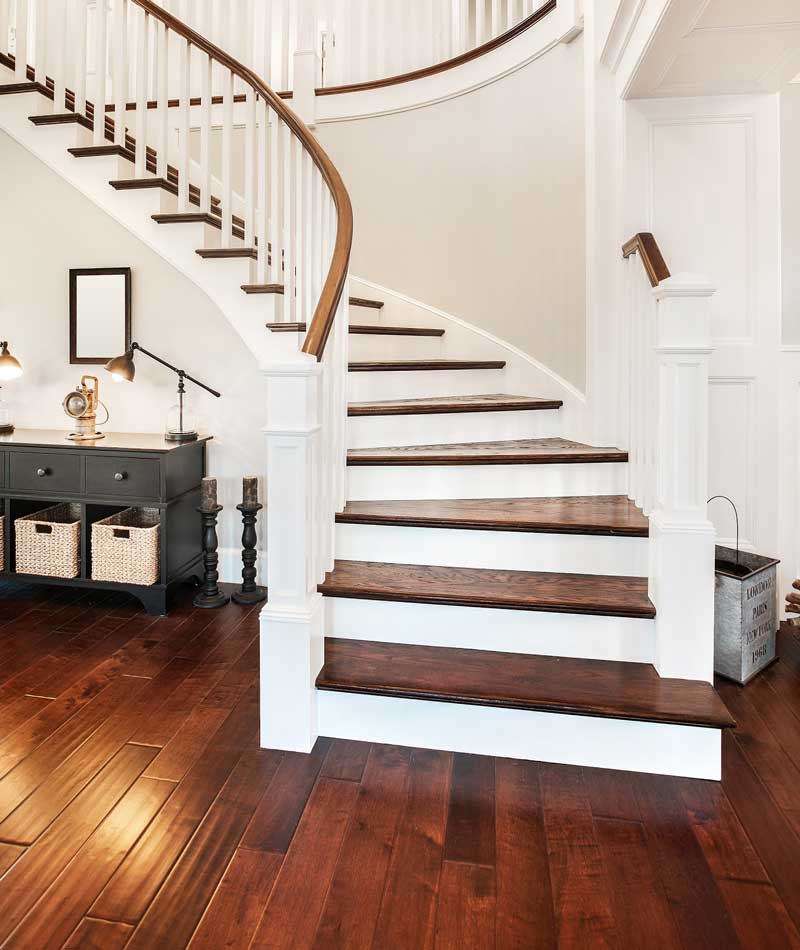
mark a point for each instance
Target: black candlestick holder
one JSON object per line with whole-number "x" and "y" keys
{"x": 250, "y": 592}
{"x": 210, "y": 595}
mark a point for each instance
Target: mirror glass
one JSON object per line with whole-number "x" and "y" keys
{"x": 100, "y": 314}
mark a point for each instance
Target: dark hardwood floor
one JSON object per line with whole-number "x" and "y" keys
{"x": 137, "y": 810}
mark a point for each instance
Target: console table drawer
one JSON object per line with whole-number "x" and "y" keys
{"x": 125, "y": 477}
{"x": 45, "y": 472}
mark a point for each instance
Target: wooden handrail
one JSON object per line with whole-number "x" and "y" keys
{"x": 644, "y": 244}
{"x": 322, "y": 322}
{"x": 459, "y": 60}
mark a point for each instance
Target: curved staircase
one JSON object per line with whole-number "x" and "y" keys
{"x": 489, "y": 591}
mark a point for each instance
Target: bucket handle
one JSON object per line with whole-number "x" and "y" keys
{"x": 735, "y": 515}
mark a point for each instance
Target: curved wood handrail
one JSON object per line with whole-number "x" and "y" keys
{"x": 644, "y": 244}
{"x": 459, "y": 60}
{"x": 322, "y": 323}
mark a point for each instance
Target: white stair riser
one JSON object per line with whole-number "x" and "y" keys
{"x": 379, "y": 482}
{"x": 371, "y": 315}
{"x": 367, "y": 387}
{"x": 492, "y": 628}
{"x": 660, "y": 748}
{"x": 366, "y": 347}
{"x": 500, "y": 550}
{"x": 449, "y": 427}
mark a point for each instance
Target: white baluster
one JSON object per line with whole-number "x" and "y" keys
{"x": 184, "y": 96}
{"x": 250, "y": 166}
{"x": 227, "y": 158}
{"x": 480, "y": 22}
{"x": 206, "y": 85}
{"x": 100, "y": 72}
{"x": 21, "y": 40}
{"x": 300, "y": 231}
{"x": 509, "y": 14}
{"x": 4, "y": 31}
{"x": 42, "y": 19}
{"x": 496, "y": 25}
{"x": 263, "y": 172}
{"x": 289, "y": 297}
{"x": 364, "y": 39}
{"x": 79, "y": 33}
{"x": 287, "y": 49}
{"x": 142, "y": 74}
{"x": 58, "y": 11}
{"x": 162, "y": 100}
{"x": 269, "y": 27}
{"x": 275, "y": 272}
{"x": 119, "y": 24}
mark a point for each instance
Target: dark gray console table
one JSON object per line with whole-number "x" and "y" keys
{"x": 41, "y": 467}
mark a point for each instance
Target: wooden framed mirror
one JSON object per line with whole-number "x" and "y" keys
{"x": 99, "y": 314}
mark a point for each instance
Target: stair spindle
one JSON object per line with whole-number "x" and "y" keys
{"x": 184, "y": 95}
{"x": 251, "y": 175}
{"x": 41, "y": 16}
{"x": 100, "y": 72}
{"x": 142, "y": 71}
{"x": 227, "y": 158}
{"x": 162, "y": 99}
{"x": 119, "y": 13}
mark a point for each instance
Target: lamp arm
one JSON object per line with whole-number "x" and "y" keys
{"x": 180, "y": 372}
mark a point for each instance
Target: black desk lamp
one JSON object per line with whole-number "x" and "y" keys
{"x": 181, "y": 424}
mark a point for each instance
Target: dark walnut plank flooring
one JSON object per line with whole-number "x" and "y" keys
{"x": 591, "y": 514}
{"x": 599, "y": 594}
{"x": 356, "y": 845}
{"x": 429, "y": 405}
{"x": 519, "y": 681}
{"x": 511, "y": 452}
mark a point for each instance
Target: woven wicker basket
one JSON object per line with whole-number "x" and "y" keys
{"x": 126, "y": 547}
{"x": 48, "y": 542}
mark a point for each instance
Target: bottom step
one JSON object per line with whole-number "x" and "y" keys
{"x": 580, "y": 712}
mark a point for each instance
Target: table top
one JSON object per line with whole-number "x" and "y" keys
{"x": 113, "y": 441}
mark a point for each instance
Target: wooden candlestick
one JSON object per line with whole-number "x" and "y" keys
{"x": 210, "y": 596}
{"x": 250, "y": 592}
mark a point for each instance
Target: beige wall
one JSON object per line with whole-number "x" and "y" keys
{"x": 51, "y": 227}
{"x": 790, "y": 210}
{"x": 476, "y": 206}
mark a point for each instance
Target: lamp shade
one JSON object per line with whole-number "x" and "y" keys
{"x": 10, "y": 367}
{"x": 122, "y": 367}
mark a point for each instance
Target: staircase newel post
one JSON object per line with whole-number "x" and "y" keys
{"x": 307, "y": 66}
{"x": 681, "y": 536}
{"x": 291, "y": 628}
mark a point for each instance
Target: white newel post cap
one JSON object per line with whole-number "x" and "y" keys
{"x": 684, "y": 312}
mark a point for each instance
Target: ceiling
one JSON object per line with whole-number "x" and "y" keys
{"x": 719, "y": 47}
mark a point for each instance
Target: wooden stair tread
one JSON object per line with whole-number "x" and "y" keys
{"x": 356, "y": 329}
{"x": 599, "y": 688}
{"x": 366, "y": 302}
{"x": 591, "y": 514}
{"x": 496, "y": 402}
{"x": 597, "y": 594}
{"x": 14, "y": 88}
{"x": 62, "y": 118}
{"x": 222, "y": 253}
{"x": 399, "y": 366}
{"x": 511, "y": 452}
{"x": 93, "y": 151}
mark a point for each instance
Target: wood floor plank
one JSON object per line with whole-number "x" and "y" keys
{"x": 290, "y": 918}
{"x": 275, "y": 821}
{"x": 581, "y": 898}
{"x": 697, "y": 906}
{"x": 236, "y": 908}
{"x": 93, "y": 934}
{"x": 9, "y": 854}
{"x": 471, "y": 815}
{"x": 408, "y": 908}
{"x": 22, "y": 709}
{"x": 346, "y": 760}
{"x": 130, "y": 891}
{"x": 595, "y": 514}
{"x": 630, "y": 871}
{"x": 61, "y": 908}
{"x": 612, "y": 796}
{"x": 30, "y": 877}
{"x": 182, "y": 751}
{"x": 172, "y": 917}
{"x": 596, "y": 594}
{"x": 351, "y": 908}
{"x": 466, "y": 908}
{"x": 524, "y": 912}
{"x": 772, "y": 836}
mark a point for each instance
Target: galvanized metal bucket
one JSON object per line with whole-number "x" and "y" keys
{"x": 745, "y": 613}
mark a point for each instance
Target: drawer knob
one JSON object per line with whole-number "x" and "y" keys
{"x": 41, "y": 472}
{"x": 120, "y": 476}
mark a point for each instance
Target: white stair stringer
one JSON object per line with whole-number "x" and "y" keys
{"x": 504, "y": 630}
{"x": 655, "y": 747}
{"x": 176, "y": 243}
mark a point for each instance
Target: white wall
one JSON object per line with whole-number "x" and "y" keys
{"x": 790, "y": 203}
{"x": 50, "y": 227}
{"x": 475, "y": 205}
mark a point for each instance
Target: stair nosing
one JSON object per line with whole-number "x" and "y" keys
{"x": 438, "y": 406}
{"x": 417, "y": 366}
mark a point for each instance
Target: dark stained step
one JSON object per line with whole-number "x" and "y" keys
{"x": 62, "y": 118}
{"x": 93, "y": 151}
{"x": 165, "y": 184}
{"x": 599, "y": 688}
{"x": 596, "y": 594}
{"x": 415, "y": 366}
{"x": 430, "y": 405}
{"x": 356, "y": 329}
{"x": 513, "y": 452}
{"x": 15, "y": 88}
{"x": 366, "y": 302}
{"x": 197, "y": 217}
{"x": 610, "y": 515}
{"x": 224, "y": 253}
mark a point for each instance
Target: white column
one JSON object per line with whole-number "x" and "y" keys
{"x": 681, "y": 536}
{"x": 292, "y": 630}
{"x": 307, "y": 65}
